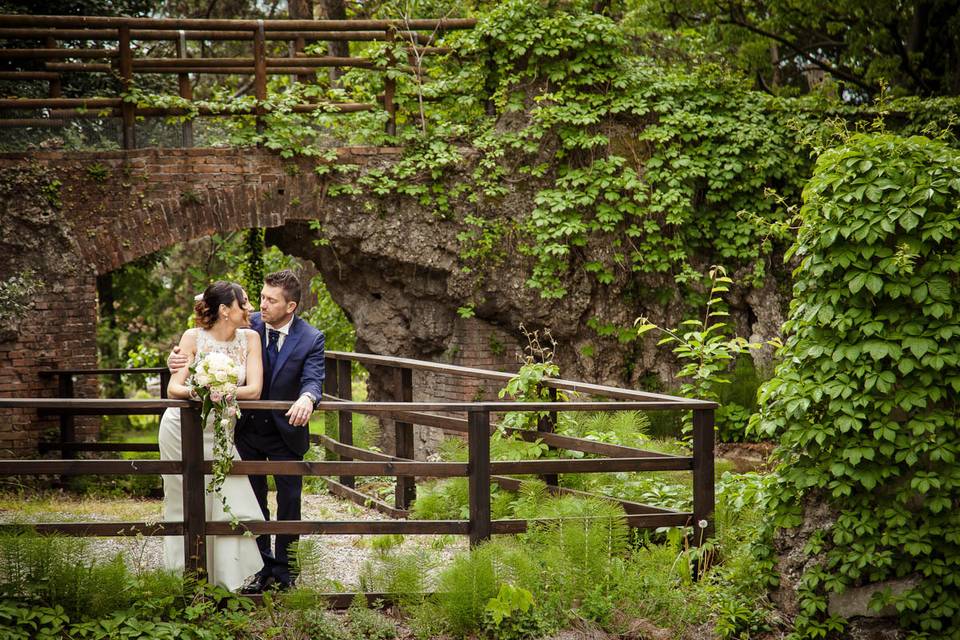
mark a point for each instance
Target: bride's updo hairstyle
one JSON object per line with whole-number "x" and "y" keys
{"x": 206, "y": 310}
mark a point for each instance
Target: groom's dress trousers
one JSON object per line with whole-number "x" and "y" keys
{"x": 292, "y": 365}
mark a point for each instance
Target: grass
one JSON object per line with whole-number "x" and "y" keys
{"x": 61, "y": 506}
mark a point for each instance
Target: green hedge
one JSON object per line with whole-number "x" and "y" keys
{"x": 865, "y": 398}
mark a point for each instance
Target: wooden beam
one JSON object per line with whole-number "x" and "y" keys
{"x": 343, "y": 527}
{"x": 479, "y": 479}
{"x": 110, "y": 22}
{"x": 592, "y": 465}
{"x": 365, "y": 500}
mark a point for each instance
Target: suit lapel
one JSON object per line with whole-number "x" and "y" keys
{"x": 289, "y": 343}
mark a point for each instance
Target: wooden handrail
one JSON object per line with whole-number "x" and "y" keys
{"x": 92, "y": 406}
{"x": 110, "y": 35}
{"x": 115, "y": 22}
{"x": 501, "y": 376}
{"x": 105, "y": 371}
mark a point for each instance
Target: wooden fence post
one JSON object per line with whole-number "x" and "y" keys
{"x": 186, "y": 89}
{"x": 56, "y": 87}
{"x": 548, "y": 424}
{"x": 330, "y": 387}
{"x": 406, "y": 488}
{"x": 345, "y": 418}
{"x": 478, "y": 469}
{"x": 703, "y": 472}
{"x": 164, "y": 382}
{"x": 194, "y": 493}
{"x": 390, "y": 87}
{"x": 68, "y": 432}
{"x": 260, "y": 73}
{"x": 126, "y": 80}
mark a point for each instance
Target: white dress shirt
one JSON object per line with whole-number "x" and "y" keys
{"x": 284, "y": 330}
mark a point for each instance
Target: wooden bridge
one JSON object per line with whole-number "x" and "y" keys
{"x": 52, "y": 47}
{"x": 353, "y": 461}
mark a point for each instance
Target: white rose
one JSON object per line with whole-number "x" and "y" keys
{"x": 202, "y": 379}
{"x": 218, "y": 360}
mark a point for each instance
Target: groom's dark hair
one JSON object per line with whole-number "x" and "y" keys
{"x": 286, "y": 280}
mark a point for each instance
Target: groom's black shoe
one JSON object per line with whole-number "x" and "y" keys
{"x": 258, "y": 584}
{"x": 283, "y": 585}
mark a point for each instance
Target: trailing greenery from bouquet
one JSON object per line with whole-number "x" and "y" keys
{"x": 213, "y": 380}
{"x": 864, "y": 400}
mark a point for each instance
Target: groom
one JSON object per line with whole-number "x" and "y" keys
{"x": 293, "y": 369}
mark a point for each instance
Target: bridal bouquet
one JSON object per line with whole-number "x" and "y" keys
{"x": 213, "y": 379}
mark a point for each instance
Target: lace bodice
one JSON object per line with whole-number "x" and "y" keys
{"x": 236, "y": 348}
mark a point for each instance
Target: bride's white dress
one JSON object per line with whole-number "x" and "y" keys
{"x": 230, "y": 559}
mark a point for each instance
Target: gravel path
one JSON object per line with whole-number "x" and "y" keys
{"x": 340, "y": 557}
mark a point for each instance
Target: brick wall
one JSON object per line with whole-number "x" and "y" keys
{"x": 115, "y": 207}
{"x": 57, "y": 333}
{"x": 475, "y": 343}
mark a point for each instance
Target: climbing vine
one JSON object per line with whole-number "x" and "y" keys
{"x": 864, "y": 400}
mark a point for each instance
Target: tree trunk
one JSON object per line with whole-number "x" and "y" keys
{"x": 300, "y": 10}
{"x": 335, "y": 10}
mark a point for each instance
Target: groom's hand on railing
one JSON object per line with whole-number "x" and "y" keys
{"x": 299, "y": 412}
{"x": 176, "y": 360}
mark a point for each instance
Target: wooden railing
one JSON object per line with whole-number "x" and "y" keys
{"x": 354, "y": 461}
{"x": 121, "y": 61}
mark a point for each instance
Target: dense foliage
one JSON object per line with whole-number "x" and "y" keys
{"x": 864, "y": 401}
{"x": 861, "y": 45}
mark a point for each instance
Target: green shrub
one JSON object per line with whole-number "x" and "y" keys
{"x": 450, "y": 500}
{"x": 627, "y": 428}
{"x": 367, "y": 624}
{"x": 319, "y": 624}
{"x": 578, "y": 548}
{"x": 465, "y": 587}
{"x": 55, "y": 587}
{"x": 61, "y": 571}
{"x": 864, "y": 400}
{"x": 512, "y": 615}
{"x": 403, "y": 574}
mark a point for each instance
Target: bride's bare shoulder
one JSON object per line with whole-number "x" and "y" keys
{"x": 188, "y": 341}
{"x": 253, "y": 338}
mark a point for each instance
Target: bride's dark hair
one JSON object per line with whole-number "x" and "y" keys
{"x": 206, "y": 311}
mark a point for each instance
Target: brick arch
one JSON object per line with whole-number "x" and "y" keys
{"x": 115, "y": 207}
{"x": 79, "y": 215}
{"x": 128, "y": 204}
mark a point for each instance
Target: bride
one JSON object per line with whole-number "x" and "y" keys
{"x": 221, "y": 318}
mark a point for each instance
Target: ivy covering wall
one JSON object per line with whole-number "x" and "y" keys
{"x": 864, "y": 401}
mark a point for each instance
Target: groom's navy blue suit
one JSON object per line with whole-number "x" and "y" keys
{"x": 296, "y": 368}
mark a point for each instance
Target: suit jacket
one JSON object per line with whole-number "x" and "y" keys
{"x": 299, "y": 368}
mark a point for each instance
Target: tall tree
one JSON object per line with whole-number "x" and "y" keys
{"x": 912, "y": 46}
{"x": 335, "y": 10}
